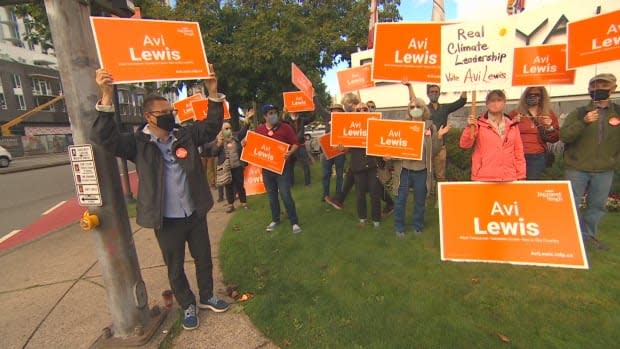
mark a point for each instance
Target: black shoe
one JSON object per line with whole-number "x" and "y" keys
{"x": 598, "y": 244}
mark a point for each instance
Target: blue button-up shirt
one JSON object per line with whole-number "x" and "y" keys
{"x": 178, "y": 202}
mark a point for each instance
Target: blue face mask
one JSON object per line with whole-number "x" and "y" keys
{"x": 272, "y": 118}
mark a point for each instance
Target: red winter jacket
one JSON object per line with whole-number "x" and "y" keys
{"x": 495, "y": 159}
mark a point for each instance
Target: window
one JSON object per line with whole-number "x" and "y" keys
{"x": 17, "y": 81}
{"x": 38, "y": 100}
{"x": 41, "y": 87}
{"x": 2, "y": 101}
{"x": 21, "y": 102}
{"x": 15, "y": 30}
{"x": 123, "y": 97}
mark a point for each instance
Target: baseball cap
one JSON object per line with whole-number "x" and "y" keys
{"x": 603, "y": 77}
{"x": 336, "y": 106}
{"x": 267, "y": 107}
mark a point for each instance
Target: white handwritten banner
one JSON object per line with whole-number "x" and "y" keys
{"x": 477, "y": 55}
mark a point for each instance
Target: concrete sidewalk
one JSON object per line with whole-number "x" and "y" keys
{"x": 53, "y": 295}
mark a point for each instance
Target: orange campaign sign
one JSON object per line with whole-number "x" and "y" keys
{"x": 407, "y": 51}
{"x": 135, "y": 50}
{"x": 297, "y": 101}
{"x": 301, "y": 81}
{"x": 329, "y": 151}
{"x": 264, "y": 152}
{"x": 201, "y": 108}
{"x": 541, "y": 65}
{"x": 354, "y": 79}
{"x": 349, "y": 129}
{"x": 593, "y": 40}
{"x": 395, "y": 138}
{"x": 185, "y": 112}
{"x": 253, "y": 180}
{"x": 528, "y": 222}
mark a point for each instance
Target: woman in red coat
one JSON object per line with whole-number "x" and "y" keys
{"x": 538, "y": 125}
{"x": 498, "y": 151}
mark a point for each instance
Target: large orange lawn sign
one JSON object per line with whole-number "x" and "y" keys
{"x": 395, "y": 138}
{"x": 201, "y": 108}
{"x": 349, "y": 129}
{"x": 253, "y": 180}
{"x": 407, "y": 51}
{"x": 134, "y": 50}
{"x": 301, "y": 81}
{"x": 185, "y": 112}
{"x": 329, "y": 151}
{"x": 529, "y": 222}
{"x": 297, "y": 101}
{"x": 264, "y": 152}
{"x": 593, "y": 40}
{"x": 354, "y": 79}
{"x": 541, "y": 65}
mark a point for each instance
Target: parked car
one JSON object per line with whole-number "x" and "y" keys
{"x": 5, "y": 157}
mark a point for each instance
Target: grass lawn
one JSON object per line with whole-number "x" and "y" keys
{"x": 339, "y": 286}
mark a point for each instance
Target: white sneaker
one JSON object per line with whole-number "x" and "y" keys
{"x": 272, "y": 226}
{"x": 296, "y": 229}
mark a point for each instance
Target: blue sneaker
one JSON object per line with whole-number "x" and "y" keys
{"x": 190, "y": 319}
{"x": 215, "y": 304}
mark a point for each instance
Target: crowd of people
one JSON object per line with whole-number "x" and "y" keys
{"x": 173, "y": 161}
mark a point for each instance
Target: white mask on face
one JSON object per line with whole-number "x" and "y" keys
{"x": 416, "y": 113}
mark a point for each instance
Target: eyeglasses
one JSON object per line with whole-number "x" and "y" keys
{"x": 533, "y": 95}
{"x": 163, "y": 112}
{"x": 361, "y": 109}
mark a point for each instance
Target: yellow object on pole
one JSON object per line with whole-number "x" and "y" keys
{"x": 7, "y": 126}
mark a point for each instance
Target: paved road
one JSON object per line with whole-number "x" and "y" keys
{"x": 24, "y": 196}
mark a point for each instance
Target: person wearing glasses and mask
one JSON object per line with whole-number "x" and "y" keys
{"x": 538, "y": 125}
{"x": 275, "y": 183}
{"x": 591, "y": 136}
{"x": 372, "y": 107}
{"x": 174, "y": 196}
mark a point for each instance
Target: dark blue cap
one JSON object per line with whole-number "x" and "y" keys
{"x": 267, "y": 107}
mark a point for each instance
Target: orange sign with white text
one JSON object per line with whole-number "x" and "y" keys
{"x": 593, "y": 40}
{"x": 135, "y": 50}
{"x": 528, "y": 222}
{"x": 354, "y": 79}
{"x": 407, "y": 51}
{"x": 349, "y": 129}
{"x": 301, "y": 81}
{"x": 185, "y": 112}
{"x": 541, "y": 65}
{"x": 253, "y": 180}
{"x": 395, "y": 138}
{"x": 329, "y": 151}
{"x": 201, "y": 109}
{"x": 297, "y": 101}
{"x": 264, "y": 152}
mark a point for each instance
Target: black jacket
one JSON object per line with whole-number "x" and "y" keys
{"x": 138, "y": 148}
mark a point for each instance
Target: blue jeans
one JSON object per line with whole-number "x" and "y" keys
{"x": 417, "y": 181}
{"x": 337, "y": 161}
{"x": 534, "y": 166}
{"x": 275, "y": 183}
{"x": 598, "y": 185}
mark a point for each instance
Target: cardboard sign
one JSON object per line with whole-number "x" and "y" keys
{"x": 201, "y": 108}
{"x": 593, "y": 40}
{"x": 541, "y": 65}
{"x": 354, "y": 79}
{"x": 349, "y": 129}
{"x": 297, "y": 101}
{"x": 185, "y": 112}
{"x": 329, "y": 151}
{"x": 407, "y": 51}
{"x": 395, "y": 138}
{"x": 135, "y": 50}
{"x": 264, "y": 152}
{"x": 529, "y": 222}
{"x": 477, "y": 55}
{"x": 301, "y": 81}
{"x": 253, "y": 180}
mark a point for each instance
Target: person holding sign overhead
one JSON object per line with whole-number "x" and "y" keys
{"x": 591, "y": 152}
{"x": 174, "y": 196}
{"x": 275, "y": 183}
{"x": 538, "y": 125}
{"x": 498, "y": 150}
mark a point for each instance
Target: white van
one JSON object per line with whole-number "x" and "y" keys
{"x": 5, "y": 157}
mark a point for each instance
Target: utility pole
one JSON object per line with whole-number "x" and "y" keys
{"x": 132, "y": 321}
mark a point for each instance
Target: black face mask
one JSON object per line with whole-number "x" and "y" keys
{"x": 166, "y": 122}
{"x": 531, "y": 101}
{"x": 599, "y": 94}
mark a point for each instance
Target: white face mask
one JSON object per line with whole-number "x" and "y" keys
{"x": 416, "y": 113}
{"x": 294, "y": 117}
